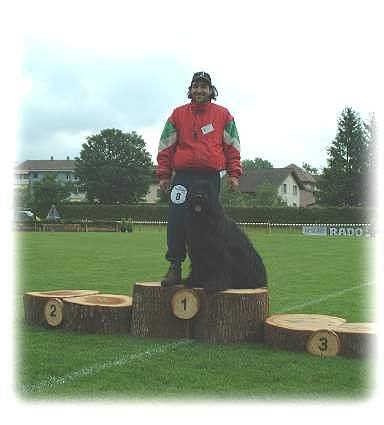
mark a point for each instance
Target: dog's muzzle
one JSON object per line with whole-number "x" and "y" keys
{"x": 198, "y": 202}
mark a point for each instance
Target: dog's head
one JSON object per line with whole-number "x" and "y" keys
{"x": 202, "y": 198}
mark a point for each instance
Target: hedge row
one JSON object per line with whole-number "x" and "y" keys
{"x": 150, "y": 212}
{"x": 302, "y": 215}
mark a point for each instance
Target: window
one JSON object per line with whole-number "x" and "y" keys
{"x": 35, "y": 175}
{"x": 284, "y": 188}
{"x": 295, "y": 190}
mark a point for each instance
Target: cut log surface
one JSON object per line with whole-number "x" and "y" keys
{"x": 291, "y": 331}
{"x": 357, "y": 339}
{"x": 46, "y": 309}
{"x": 231, "y": 316}
{"x": 99, "y": 313}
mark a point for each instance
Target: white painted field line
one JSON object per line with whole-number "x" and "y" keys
{"x": 53, "y": 381}
{"x": 327, "y": 297}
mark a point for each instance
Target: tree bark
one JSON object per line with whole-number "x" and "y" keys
{"x": 151, "y": 312}
{"x": 99, "y": 313}
{"x": 230, "y": 316}
{"x": 291, "y": 331}
{"x": 357, "y": 339}
{"x": 36, "y": 302}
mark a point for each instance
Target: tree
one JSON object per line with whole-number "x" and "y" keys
{"x": 256, "y": 163}
{"x": 371, "y": 137}
{"x": 114, "y": 167}
{"x": 371, "y": 159}
{"x": 309, "y": 169}
{"x": 48, "y": 191}
{"x": 24, "y": 197}
{"x": 343, "y": 180}
{"x": 235, "y": 199}
{"x": 264, "y": 196}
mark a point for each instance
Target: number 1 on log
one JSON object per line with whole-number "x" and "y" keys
{"x": 184, "y": 301}
{"x": 185, "y": 304}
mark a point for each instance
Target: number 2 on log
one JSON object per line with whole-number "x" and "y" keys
{"x": 53, "y": 310}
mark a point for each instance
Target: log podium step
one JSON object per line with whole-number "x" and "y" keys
{"x": 79, "y": 310}
{"x": 321, "y": 335}
{"x": 46, "y": 308}
{"x": 357, "y": 339}
{"x": 291, "y": 331}
{"x": 98, "y": 313}
{"x": 231, "y": 316}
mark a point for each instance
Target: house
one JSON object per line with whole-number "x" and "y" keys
{"x": 31, "y": 171}
{"x": 308, "y": 194}
{"x": 153, "y": 195}
{"x": 285, "y": 180}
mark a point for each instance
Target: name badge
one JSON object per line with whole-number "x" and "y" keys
{"x": 207, "y": 128}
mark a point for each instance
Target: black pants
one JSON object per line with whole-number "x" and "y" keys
{"x": 176, "y": 229}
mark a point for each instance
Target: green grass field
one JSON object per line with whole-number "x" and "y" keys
{"x": 306, "y": 275}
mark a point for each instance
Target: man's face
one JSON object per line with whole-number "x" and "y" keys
{"x": 200, "y": 91}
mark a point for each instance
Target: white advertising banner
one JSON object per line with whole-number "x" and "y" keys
{"x": 349, "y": 231}
{"x": 315, "y": 230}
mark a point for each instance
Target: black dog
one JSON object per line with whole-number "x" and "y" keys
{"x": 222, "y": 256}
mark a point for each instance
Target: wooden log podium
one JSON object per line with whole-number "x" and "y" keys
{"x": 99, "y": 313}
{"x": 292, "y": 331}
{"x": 357, "y": 339}
{"x": 231, "y": 316}
{"x": 151, "y": 312}
{"x": 46, "y": 308}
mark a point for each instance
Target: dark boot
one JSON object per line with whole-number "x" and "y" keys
{"x": 173, "y": 276}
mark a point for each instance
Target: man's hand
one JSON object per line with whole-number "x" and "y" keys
{"x": 233, "y": 183}
{"x": 164, "y": 184}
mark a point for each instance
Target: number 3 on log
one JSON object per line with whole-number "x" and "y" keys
{"x": 323, "y": 346}
{"x": 324, "y": 343}
{"x": 185, "y": 304}
{"x": 53, "y": 312}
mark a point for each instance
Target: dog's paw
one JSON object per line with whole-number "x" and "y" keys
{"x": 212, "y": 287}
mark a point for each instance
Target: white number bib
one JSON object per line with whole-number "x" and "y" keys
{"x": 179, "y": 194}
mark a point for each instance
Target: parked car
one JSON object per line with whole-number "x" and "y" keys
{"x": 26, "y": 215}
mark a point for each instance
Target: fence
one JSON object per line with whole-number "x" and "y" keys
{"x": 355, "y": 229}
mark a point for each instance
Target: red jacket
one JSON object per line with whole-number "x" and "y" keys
{"x": 199, "y": 136}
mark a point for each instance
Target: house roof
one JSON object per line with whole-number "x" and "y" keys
{"x": 47, "y": 165}
{"x": 303, "y": 175}
{"x": 252, "y": 178}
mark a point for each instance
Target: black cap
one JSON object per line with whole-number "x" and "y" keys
{"x": 202, "y": 76}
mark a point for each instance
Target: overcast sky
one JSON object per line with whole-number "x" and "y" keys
{"x": 284, "y": 69}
